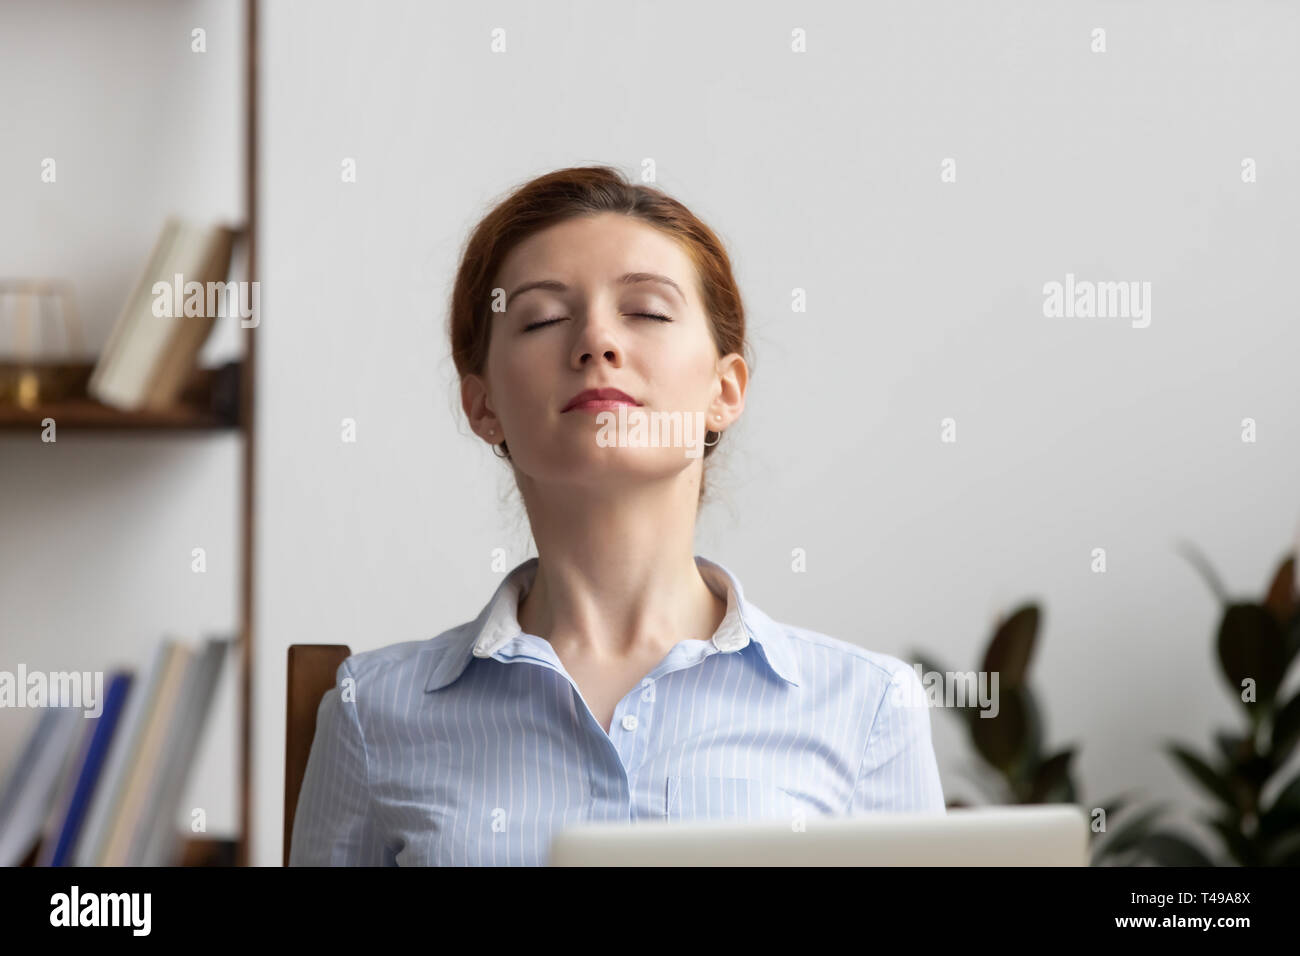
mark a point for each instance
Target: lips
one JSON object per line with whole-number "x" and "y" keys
{"x": 600, "y": 397}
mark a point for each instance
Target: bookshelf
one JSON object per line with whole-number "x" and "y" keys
{"x": 215, "y": 401}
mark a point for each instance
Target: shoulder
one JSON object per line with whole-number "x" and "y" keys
{"x": 832, "y": 668}
{"x": 816, "y": 650}
{"x": 395, "y": 675}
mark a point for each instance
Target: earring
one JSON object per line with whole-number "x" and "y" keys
{"x": 710, "y": 444}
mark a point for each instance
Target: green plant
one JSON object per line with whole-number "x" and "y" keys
{"x": 1015, "y": 767}
{"x": 1256, "y": 644}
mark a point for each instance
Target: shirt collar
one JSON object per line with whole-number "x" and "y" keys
{"x": 498, "y": 622}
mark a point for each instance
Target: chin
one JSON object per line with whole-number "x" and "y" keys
{"x": 590, "y": 464}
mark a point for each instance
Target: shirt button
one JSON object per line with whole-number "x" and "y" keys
{"x": 629, "y": 721}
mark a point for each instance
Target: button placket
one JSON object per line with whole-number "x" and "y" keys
{"x": 633, "y": 723}
{"x": 644, "y": 705}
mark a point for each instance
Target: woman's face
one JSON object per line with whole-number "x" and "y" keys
{"x": 579, "y": 299}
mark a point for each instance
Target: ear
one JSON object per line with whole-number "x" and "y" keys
{"x": 474, "y": 400}
{"x": 733, "y": 379}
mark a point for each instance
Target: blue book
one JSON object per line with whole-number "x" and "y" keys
{"x": 79, "y": 806}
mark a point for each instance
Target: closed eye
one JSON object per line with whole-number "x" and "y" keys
{"x": 648, "y": 315}
{"x": 537, "y": 325}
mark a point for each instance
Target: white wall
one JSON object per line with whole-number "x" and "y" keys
{"x": 821, "y": 170}
{"x": 925, "y": 301}
{"x": 96, "y": 531}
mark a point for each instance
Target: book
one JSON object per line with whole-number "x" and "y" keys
{"x": 34, "y": 781}
{"x": 57, "y": 849}
{"x": 156, "y": 838}
{"x": 148, "y": 356}
{"x": 122, "y": 382}
{"x": 105, "y": 790}
{"x": 139, "y": 300}
{"x": 121, "y": 756}
{"x": 62, "y": 794}
{"x": 147, "y": 756}
{"x": 180, "y": 352}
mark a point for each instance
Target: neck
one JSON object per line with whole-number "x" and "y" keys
{"x": 616, "y": 575}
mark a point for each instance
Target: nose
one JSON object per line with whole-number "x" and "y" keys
{"x": 598, "y": 337}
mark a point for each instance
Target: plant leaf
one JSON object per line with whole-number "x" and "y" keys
{"x": 1241, "y": 849}
{"x": 1286, "y": 730}
{"x": 1290, "y": 645}
{"x": 1251, "y": 645}
{"x": 1284, "y": 850}
{"x": 1001, "y": 739}
{"x": 1012, "y": 646}
{"x": 1199, "y": 562}
{"x": 1117, "y": 803}
{"x": 1283, "y": 598}
{"x": 1233, "y": 747}
{"x": 1052, "y": 776}
{"x": 1204, "y": 774}
{"x": 1132, "y": 830}
{"x": 1031, "y": 751}
{"x": 1170, "y": 849}
{"x": 1284, "y": 811}
{"x": 1244, "y": 766}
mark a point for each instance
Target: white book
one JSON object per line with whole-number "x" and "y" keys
{"x": 126, "y": 383}
{"x": 136, "y": 301}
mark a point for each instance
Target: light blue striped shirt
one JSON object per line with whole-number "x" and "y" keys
{"x": 475, "y": 747}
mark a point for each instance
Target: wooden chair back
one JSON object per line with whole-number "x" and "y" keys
{"x": 311, "y": 673}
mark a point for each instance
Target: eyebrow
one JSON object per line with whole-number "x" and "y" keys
{"x": 628, "y": 278}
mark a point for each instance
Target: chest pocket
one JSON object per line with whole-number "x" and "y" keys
{"x": 726, "y": 798}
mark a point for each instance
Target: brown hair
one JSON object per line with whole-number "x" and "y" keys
{"x": 566, "y": 194}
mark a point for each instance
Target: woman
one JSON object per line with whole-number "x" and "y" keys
{"x": 616, "y": 676}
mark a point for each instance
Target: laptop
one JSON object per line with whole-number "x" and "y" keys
{"x": 1037, "y": 835}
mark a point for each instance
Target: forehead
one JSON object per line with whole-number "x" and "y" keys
{"x": 596, "y": 249}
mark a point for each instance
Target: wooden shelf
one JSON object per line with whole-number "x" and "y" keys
{"x": 210, "y": 401}
{"x": 209, "y": 851}
{"x": 195, "y": 851}
{"x": 87, "y": 414}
